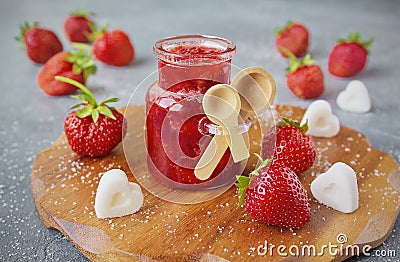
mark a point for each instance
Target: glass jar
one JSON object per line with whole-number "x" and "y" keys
{"x": 177, "y": 130}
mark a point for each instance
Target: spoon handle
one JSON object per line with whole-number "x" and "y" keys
{"x": 239, "y": 149}
{"x": 211, "y": 157}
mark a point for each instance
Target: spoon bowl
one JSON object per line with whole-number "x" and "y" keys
{"x": 257, "y": 89}
{"x": 221, "y": 103}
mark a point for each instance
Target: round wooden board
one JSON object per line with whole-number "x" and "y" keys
{"x": 64, "y": 187}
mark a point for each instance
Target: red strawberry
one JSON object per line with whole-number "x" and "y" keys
{"x": 304, "y": 78}
{"x": 113, "y": 47}
{"x": 293, "y": 37}
{"x": 349, "y": 57}
{"x": 77, "y": 26}
{"x": 275, "y": 196}
{"x": 95, "y": 129}
{"x": 290, "y": 146}
{"x": 76, "y": 65}
{"x": 40, "y": 43}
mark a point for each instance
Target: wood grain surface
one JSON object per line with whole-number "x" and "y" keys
{"x": 64, "y": 186}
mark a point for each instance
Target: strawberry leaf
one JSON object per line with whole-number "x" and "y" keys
{"x": 109, "y": 100}
{"x": 89, "y": 70}
{"x": 77, "y": 105}
{"x": 89, "y": 102}
{"x": 96, "y": 32}
{"x": 307, "y": 60}
{"x": 263, "y": 164}
{"x": 81, "y": 13}
{"x": 76, "y": 69}
{"x": 95, "y": 115}
{"x": 279, "y": 30}
{"x": 288, "y": 122}
{"x": 23, "y": 29}
{"x": 82, "y": 97}
{"x": 244, "y": 181}
{"x": 104, "y": 110}
{"x": 242, "y": 184}
{"x": 295, "y": 63}
{"x": 356, "y": 37}
{"x": 82, "y": 60}
{"x": 304, "y": 127}
{"x": 84, "y": 112}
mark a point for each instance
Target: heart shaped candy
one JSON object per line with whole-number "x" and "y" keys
{"x": 337, "y": 188}
{"x": 116, "y": 196}
{"x": 321, "y": 121}
{"x": 354, "y": 98}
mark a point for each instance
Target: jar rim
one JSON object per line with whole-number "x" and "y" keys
{"x": 226, "y": 50}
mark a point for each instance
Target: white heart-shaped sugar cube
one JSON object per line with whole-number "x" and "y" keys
{"x": 321, "y": 121}
{"x": 116, "y": 196}
{"x": 354, "y": 98}
{"x": 337, "y": 188}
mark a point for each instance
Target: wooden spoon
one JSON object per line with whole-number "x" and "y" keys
{"x": 221, "y": 103}
{"x": 257, "y": 89}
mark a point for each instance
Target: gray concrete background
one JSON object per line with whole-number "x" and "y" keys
{"x": 31, "y": 121}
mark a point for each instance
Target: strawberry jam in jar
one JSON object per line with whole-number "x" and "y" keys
{"x": 177, "y": 130}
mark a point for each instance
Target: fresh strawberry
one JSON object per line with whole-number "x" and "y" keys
{"x": 349, "y": 57}
{"x": 289, "y": 145}
{"x": 77, "y": 65}
{"x": 77, "y": 26}
{"x": 304, "y": 78}
{"x": 293, "y": 37}
{"x": 113, "y": 47}
{"x": 273, "y": 194}
{"x": 95, "y": 129}
{"x": 40, "y": 43}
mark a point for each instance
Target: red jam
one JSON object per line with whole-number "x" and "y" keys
{"x": 175, "y": 120}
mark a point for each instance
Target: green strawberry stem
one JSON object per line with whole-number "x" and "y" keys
{"x": 356, "y": 37}
{"x": 81, "y": 13}
{"x": 279, "y": 30}
{"x": 294, "y": 62}
{"x": 288, "y": 122}
{"x": 96, "y": 32}
{"x": 89, "y": 102}
{"x": 244, "y": 181}
{"x": 23, "y": 29}
{"x": 82, "y": 60}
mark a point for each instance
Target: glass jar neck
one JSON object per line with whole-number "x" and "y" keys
{"x": 185, "y": 58}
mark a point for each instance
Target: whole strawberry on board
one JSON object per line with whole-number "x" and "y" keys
{"x": 289, "y": 145}
{"x": 304, "y": 78}
{"x": 349, "y": 56}
{"x": 78, "y": 26}
{"x": 293, "y": 37}
{"x": 95, "y": 129}
{"x": 40, "y": 43}
{"x": 113, "y": 47}
{"x": 76, "y": 64}
{"x": 273, "y": 194}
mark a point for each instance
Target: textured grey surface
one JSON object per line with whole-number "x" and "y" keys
{"x": 31, "y": 121}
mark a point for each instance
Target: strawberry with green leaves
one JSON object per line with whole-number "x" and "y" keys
{"x": 349, "y": 56}
{"x": 76, "y": 64}
{"x": 113, "y": 47}
{"x": 289, "y": 145}
{"x": 78, "y": 26}
{"x": 293, "y": 37}
{"x": 96, "y": 128}
{"x": 40, "y": 43}
{"x": 304, "y": 78}
{"x": 273, "y": 194}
